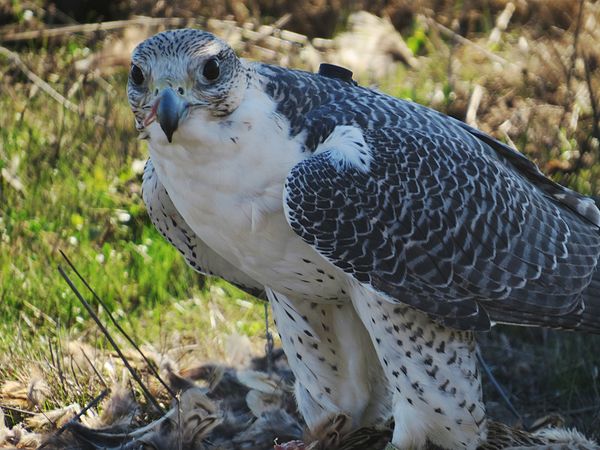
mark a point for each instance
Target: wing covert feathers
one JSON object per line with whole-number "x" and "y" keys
{"x": 447, "y": 225}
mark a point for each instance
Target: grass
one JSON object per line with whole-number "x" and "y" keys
{"x": 72, "y": 184}
{"x": 81, "y": 193}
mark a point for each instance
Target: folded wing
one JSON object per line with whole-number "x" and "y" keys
{"x": 450, "y": 225}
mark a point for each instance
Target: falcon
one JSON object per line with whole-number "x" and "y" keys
{"x": 384, "y": 233}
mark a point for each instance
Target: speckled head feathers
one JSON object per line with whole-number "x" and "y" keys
{"x": 179, "y": 59}
{"x": 183, "y": 44}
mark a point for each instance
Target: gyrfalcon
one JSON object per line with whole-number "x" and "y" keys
{"x": 384, "y": 233}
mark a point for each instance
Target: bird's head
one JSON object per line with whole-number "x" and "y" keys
{"x": 179, "y": 73}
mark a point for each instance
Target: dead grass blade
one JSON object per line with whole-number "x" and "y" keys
{"x": 463, "y": 40}
{"x": 95, "y": 27}
{"x": 112, "y": 342}
{"x": 593, "y": 99}
{"x": 121, "y": 330}
{"x": 35, "y": 79}
{"x": 87, "y": 407}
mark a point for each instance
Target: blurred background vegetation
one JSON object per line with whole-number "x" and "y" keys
{"x": 70, "y": 166}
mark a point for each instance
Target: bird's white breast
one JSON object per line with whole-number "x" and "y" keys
{"x": 226, "y": 178}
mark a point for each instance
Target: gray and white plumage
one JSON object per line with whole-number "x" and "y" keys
{"x": 384, "y": 233}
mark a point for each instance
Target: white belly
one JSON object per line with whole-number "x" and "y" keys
{"x": 273, "y": 254}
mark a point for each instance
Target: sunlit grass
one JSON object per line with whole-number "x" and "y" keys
{"x": 81, "y": 194}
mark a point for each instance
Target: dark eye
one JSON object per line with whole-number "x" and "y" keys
{"x": 211, "y": 69}
{"x": 137, "y": 76}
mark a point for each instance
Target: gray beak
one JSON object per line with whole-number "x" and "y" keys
{"x": 171, "y": 108}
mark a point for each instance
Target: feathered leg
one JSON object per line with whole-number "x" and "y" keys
{"x": 333, "y": 359}
{"x": 432, "y": 371}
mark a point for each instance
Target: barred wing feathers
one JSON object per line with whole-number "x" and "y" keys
{"x": 448, "y": 224}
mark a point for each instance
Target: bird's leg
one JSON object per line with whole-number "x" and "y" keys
{"x": 333, "y": 359}
{"x": 432, "y": 371}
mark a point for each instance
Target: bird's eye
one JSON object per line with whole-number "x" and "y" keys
{"x": 137, "y": 76}
{"x": 211, "y": 69}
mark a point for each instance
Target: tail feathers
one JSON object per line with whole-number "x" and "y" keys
{"x": 584, "y": 318}
{"x": 590, "y": 316}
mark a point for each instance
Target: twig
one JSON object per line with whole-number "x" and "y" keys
{"x": 56, "y": 359}
{"x": 95, "y": 27}
{"x": 112, "y": 342}
{"x": 98, "y": 374}
{"x": 116, "y": 323}
{"x": 571, "y": 69}
{"x": 16, "y": 60}
{"x": 463, "y": 40}
{"x": 575, "y": 43}
{"x": 50, "y": 421}
{"x": 54, "y": 12}
{"x": 569, "y": 97}
{"x": 558, "y": 57}
{"x": 17, "y": 410}
{"x": 66, "y": 103}
{"x": 475, "y": 100}
{"x": 72, "y": 365}
{"x": 593, "y": 100}
{"x": 269, "y": 30}
{"x": 501, "y": 23}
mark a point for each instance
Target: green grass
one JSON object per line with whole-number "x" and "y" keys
{"x": 80, "y": 195}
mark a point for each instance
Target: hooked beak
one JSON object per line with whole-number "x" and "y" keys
{"x": 168, "y": 110}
